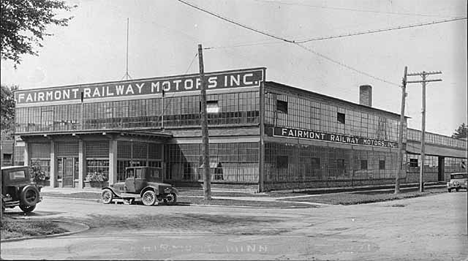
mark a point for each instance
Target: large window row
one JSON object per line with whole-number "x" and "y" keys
{"x": 437, "y": 139}
{"x": 223, "y": 109}
{"x": 292, "y": 162}
{"x": 306, "y": 113}
{"x": 229, "y": 162}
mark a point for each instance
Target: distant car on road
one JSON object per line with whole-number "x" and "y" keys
{"x": 18, "y": 189}
{"x": 141, "y": 184}
{"x": 457, "y": 181}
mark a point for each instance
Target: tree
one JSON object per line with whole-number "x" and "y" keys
{"x": 7, "y": 112}
{"x": 24, "y": 25}
{"x": 461, "y": 132}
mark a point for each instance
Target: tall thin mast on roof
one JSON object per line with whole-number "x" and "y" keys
{"x": 127, "y": 76}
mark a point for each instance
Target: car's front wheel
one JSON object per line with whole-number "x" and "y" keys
{"x": 149, "y": 198}
{"x": 170, "y": 199}
{"x": 27, "y": 209}
{"x": 107, "y": 196}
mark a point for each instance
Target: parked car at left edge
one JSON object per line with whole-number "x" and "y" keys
{"x": 18, "y": 189}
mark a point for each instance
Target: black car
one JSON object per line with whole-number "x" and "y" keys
{"x": 18, "y": 189}
{"x": 142, "y": 184}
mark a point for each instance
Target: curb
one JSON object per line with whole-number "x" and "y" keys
{"x": 83, "y": 228}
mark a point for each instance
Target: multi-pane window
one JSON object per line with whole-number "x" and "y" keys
{"x": 229, "y": 162}
{"x": 223, "y": 109}
{"x": 363, "y": 164}
{"x": 340, "y": 117}
{"x": 308, "y": 162}
{"x": 313, "y": 113}
{"x": 381, "y": 164}
{"x": 282, "y": 162}
{"x": 413, "y": 163}
{"x": 282, "y": 106}
{"x": 212, "y": 107}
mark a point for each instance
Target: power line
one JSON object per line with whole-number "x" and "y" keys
{"x": 344, "y": 65}
{"x": 241, "y": 45}
{"x": 352, "y": 9}
{"x": 193, "y": 59}
{"x": 381, "y": 30}
{"x": 290, "y": 41}
{"x": 343, "y": 35}
{"x": 236, "y": 23}
{"x": 165, "y": 106}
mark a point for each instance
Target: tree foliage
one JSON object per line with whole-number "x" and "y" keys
{"x": 7, "y": 113}
{"x": 461, "y": 132}
{"x": 23, "y": 25}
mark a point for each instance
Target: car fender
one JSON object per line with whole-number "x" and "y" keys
{"x": 150, "y": 187}
{"x": 115, "y": 192}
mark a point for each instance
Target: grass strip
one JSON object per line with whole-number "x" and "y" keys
{"x": 15, "y": 228}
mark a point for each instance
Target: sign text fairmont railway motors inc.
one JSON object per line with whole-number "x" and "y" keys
{"x": 192, "y": 82}
{"x": 315, "y": 135}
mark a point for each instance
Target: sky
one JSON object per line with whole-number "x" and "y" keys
{"x": 163, "y": 39}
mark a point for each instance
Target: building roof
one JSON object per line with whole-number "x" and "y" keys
{"x": 296, "y": 89}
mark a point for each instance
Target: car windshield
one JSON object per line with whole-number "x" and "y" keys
{"x": 459, "y": 176}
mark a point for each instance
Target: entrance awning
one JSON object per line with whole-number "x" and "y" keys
{"x": 105, "y": 132}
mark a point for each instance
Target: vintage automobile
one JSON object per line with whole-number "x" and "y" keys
{"x": 18, "y": 189}
{"x": 141, "y": 184}
{"x": 457, "y": 181}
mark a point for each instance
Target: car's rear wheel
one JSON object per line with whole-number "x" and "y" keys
{"x": 27, "y": 209}
{"x": 149, "y": 198}
{"x": 449, "y": 190}
{"x": 29, "y": 196}
{"x": 107, "y": 196}
{"x": 170, "y": 199}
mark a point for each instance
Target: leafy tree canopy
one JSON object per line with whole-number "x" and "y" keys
{"x": 23, "y": 25}
{"x": 461, "y": 132}
{"x": 7, "y": 113}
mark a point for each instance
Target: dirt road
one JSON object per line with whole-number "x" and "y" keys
{"x": 425, "y": 228}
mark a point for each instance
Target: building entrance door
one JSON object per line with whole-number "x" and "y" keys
{"x": 441, "y": 176}
{"x": 67, "y": 170}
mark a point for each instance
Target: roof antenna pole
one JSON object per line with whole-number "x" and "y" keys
{"x": 127, "y": 76}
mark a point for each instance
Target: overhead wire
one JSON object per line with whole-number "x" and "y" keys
{"x": 193, "y": 59}
{"x": 163, "y": 95}
{"x": 342, "y": 35}
{"x": 353, "y": 9}
{"x": 344, "y": 65}
{"x": 236, "y": 23}
{"x": 381, "y": 30}
{"x": 288, "y": 41}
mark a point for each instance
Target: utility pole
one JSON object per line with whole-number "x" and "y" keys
{"x": 400, "y": 134}
{"x": 204, "y": 124}
{"x": 423, "y": 124}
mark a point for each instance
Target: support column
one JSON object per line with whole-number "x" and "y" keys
{"x": 82, "y": 164}
{"x": 53, "y": 166}
{"x": 112, "y": 161}
{"x": 26, "y": 153}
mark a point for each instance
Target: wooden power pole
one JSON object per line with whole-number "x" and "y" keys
{"x": 400, "y": 134}
{"x": 204, "y": 124}
{"x": 423, "y": 124}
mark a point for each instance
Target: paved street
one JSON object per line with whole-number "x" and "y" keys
{"x": 425, "y": 228}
